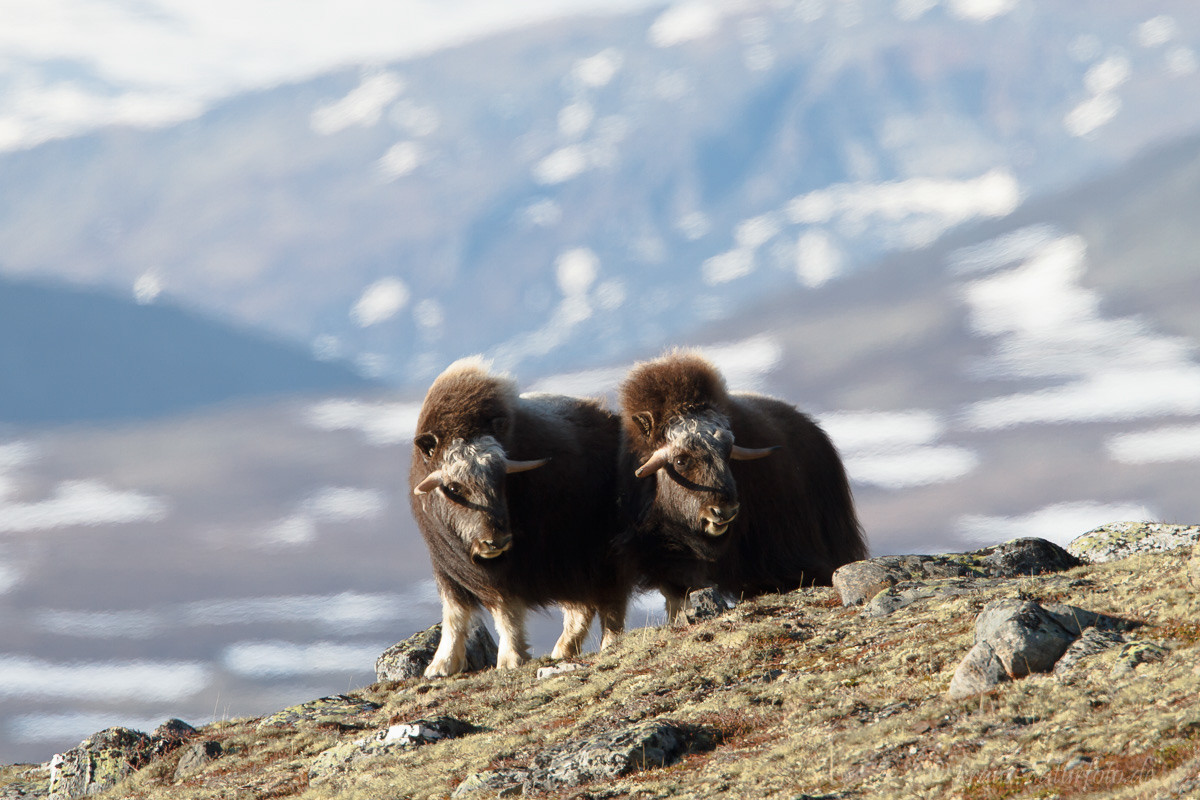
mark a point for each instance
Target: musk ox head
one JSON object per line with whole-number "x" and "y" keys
{"x": 466, "y": 491}
{"x": 695, "y": 484}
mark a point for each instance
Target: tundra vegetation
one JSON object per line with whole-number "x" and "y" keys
{"x": 784, "y": 695}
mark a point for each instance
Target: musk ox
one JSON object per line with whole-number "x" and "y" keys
{"x": 514, "y": 495}
{"x": 737, "y": 491}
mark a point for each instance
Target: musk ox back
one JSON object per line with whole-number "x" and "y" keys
{"x": 514, "y": 498}
{"x": 738, "y": 491}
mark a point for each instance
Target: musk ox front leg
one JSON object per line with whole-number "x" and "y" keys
{"x": 451, "y": 655}
{"x": 509, "y": 616}
{"x": 676, "y": 604}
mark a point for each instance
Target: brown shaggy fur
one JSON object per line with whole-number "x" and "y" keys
{"x": 797, "y": 522}
{"x": 562, "y": 515}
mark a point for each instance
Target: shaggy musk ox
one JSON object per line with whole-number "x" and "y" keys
{"x": 514, "y": 495}
{"x": 737, "y": 491}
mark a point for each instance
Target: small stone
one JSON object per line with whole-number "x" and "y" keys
{"x": 1090, "y": 643}
{"x": 1134, "y": 654}
{"x": 196, "y": 757}
{"x": 409, "y": 658}
{"x": 557, "y": 669}
{"x": 705, "y": 604}
{"x": 859, "y": 581}
{"x": 1023, "y": 635}
{"x": 978, "y": 672}
{"x": 404, "y": 735}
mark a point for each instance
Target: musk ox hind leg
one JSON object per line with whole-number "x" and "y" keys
{"x": 676, "y": 604}
{"x": 509, "y": 616}
{"x": 451, "y": 655}
{"x": 577, "y": 619}
{"x": 612, "y": 622}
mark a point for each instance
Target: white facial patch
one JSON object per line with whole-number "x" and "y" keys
{"x": 707, "y": 431}
{"x": 476, "y": 466}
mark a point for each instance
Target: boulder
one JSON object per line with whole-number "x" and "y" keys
{"x": 1134, "y": 654}
{"x": 405, "y": 735}
{"x": 606, "y": 756}
{"x": 98, "y": 763}
{"x": 1014, "y": 638}
{"x": 409, "y": 658}
{"x": 1119, "y": 540}
{"x": 858, "y": 582}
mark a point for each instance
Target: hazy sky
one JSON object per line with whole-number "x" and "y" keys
{"x": 68, "y": 65}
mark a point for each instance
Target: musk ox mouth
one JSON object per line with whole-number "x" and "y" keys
{"x": 486, "y": 551}
{"x": 715, "y": 529}
{"x": 717, "y": 521}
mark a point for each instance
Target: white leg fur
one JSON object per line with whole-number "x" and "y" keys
{"x": 509, "y": 617}
{"x": 576, "y": 621}
{"x": 451, "y": 655}
{"x": 612, "y": 623}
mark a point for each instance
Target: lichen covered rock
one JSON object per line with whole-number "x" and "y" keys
{"x": 410, "y": 734}
{"x": 409, "y": 658}
{"x": 337, "y": 710}
{"x": 98, "y": 763}
{"x": 1118, "y": 540}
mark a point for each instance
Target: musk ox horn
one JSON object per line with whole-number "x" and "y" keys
{"x": 653, "y": 464}
{"x": 431, "y": 482}
{"x": 511, "y": 467}
{"x": 751, "y": 453}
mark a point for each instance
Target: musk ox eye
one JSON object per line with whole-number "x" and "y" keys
{"x": 452, "y": 490}
{"x": 682, "y": 462}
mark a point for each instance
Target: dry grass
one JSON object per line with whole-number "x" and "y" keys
{"x": 792, "y": 694}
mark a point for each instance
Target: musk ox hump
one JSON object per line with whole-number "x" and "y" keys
{"x": 465, "y": 402}
{"x": 659, "y": 391}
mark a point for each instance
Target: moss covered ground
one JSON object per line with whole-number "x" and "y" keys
{"x": 793, "y": 694}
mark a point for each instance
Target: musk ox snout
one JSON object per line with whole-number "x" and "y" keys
{"x": 490, "y": 546}
{"x": 717, "y": 518}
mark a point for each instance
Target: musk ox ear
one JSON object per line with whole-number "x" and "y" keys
{"x": 511, "y": 467}
{"x": 431, "y": 482}
{"x": 653, "y": 464}
{"x": 645, "y": 422}
{"x": 426, "y": 443}
{"x": 751, "y": 453}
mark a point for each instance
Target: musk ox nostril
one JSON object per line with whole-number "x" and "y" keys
{"x": 723, "y": 514}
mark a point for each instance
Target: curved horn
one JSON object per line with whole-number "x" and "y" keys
{"x": 431, "y": 482}
{"x": 511, "y": 467}
{"x": 751, "y": 453}
{"x": 653, "y": 464}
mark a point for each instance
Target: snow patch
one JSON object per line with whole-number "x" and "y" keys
{"x": 363, "y": 106}
{"x": 980, "y": 10}
{"x": 380, "y": 423}
{"x": 80, "y": 503}
{"x": 598, "y": 70}
{"x": 896, "y": 449}
{"x": 685, "y": 22}
{"x": 98, "y": 681}
{"x": 1058, "y": 523}
{"x": 1157, "y": 446}
{"x": 380, "y": 301}
{"x": 818, "y": 258}
{"x": 401, "y": 159}
{"x": 275, "y": 659}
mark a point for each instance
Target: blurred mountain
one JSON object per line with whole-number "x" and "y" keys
{"x": 568, "y": 194}
{"x": 69, "y": 355}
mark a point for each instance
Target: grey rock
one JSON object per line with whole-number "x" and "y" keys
{"x": 1091, "y": 642}
{"x": 978, "y": 672}
{"x": 98, "y": 763}
{"x": 555, "y": 670}
{"x": 397, "y": 737}
{"x": 409, "y": 658}
{"x": 656, "y": 743}
{"x": 705, "y": 604}
{"x": 338, "y": 710}
{"x": 1024, "y": 636}
{"x": 889, "y": 601}
{"x": 1119, "y": 540}
{"x": 196, "y": 757}
{"x": 860, "y": 581}
{"x": 1134, "y": 654}
{"x": 1077, "y": 620}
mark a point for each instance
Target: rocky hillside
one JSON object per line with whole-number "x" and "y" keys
{"x": 1004, "y": 673}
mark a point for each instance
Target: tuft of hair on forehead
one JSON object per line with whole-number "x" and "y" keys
{"x": 678, "y": 384}
{"x": 465, "y": 400}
